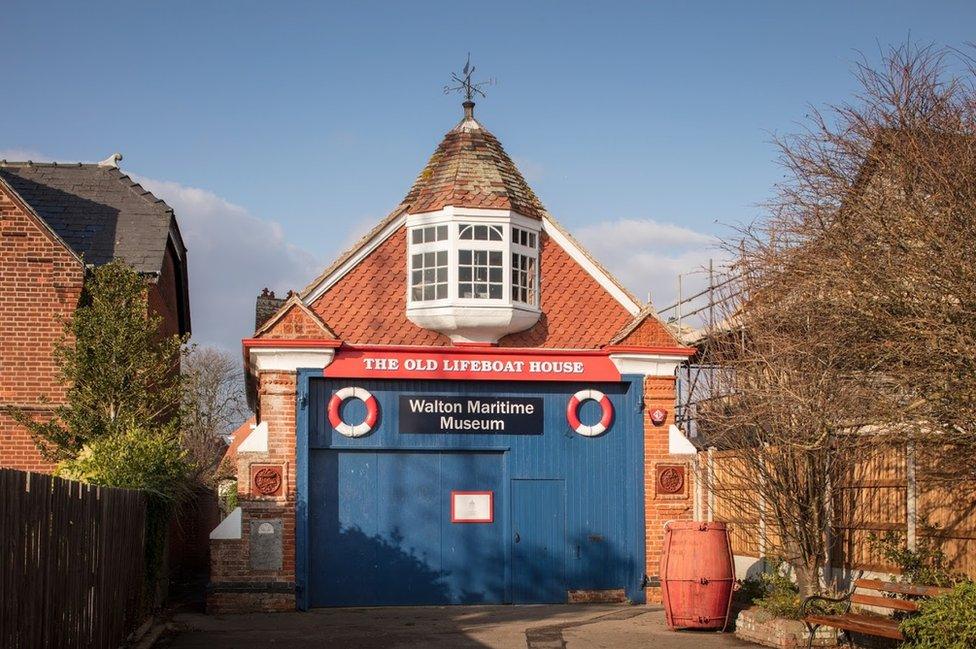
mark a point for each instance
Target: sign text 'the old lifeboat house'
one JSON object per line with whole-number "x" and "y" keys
{"x": 464, "y": 408}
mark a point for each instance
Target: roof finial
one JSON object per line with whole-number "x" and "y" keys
{"x": 111, "y": 161}
{"x": 464, "y": 84}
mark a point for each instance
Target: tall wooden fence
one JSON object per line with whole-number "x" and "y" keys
{"x": 889, "y": 490}
{"x": 71, "y": 562}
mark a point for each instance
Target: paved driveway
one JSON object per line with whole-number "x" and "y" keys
{"x": 459, "y": 627}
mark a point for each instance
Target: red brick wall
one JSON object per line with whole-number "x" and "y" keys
{"x": 234, "y": 585}
{"x": 659, "y": 508}
{"x": 40, "y": 283}
{"x": 163, "y": 296}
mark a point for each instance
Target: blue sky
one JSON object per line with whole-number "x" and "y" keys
{"x": 281, "y": 131}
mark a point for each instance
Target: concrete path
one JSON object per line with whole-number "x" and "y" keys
{"x": 461, "y": 627}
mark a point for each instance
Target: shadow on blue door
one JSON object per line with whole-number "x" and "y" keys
{"x": 381, "y": 530}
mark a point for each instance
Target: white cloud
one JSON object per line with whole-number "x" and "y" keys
{"x": 232, "y": 255}
{"x": 647, "y": 255}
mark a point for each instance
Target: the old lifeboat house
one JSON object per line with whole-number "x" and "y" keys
{"x": 464, "y": 408}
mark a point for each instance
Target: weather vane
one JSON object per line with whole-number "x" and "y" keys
{"x": 464, "y": 84}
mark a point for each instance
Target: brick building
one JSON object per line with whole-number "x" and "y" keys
{"x": 464, "y": 408}
{"x": 56, "y": 221}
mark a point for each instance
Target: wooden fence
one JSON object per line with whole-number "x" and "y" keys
{"x": 886, "y": 491}
{"x": 71, "y": 562}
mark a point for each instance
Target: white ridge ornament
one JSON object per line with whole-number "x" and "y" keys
{"x": 572, "y": 413}
{"x": 363, "y": 427}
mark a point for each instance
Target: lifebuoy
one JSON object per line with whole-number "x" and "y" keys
{"x": 363, "y": 427}
{"x": 572, "y": 412}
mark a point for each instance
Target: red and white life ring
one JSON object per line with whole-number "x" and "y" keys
{"x": 572, "y": 412}
{"x": 363, "y": 427}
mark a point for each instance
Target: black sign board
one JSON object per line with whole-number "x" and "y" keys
{"x": 471, "y": 414}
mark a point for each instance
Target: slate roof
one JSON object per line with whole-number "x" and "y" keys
{"x": 100, "y": 212}
{"x": 471, "y": 169}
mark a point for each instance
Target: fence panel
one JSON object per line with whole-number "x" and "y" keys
{"x": 870, "y": 499}
{"x": 71, "y": 562}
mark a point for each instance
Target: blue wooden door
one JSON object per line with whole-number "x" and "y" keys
{"x": 381, "y": 530}
{"x": 538, "y": 541}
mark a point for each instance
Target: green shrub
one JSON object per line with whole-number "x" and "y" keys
{"x": 781, "y": 597}
{"x": 944, "y": 622}
{"x": 134, "y": 458}
{"x": 153, "y": 461}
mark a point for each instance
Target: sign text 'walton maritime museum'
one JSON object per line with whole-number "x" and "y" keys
{"x": 470, "y": 414}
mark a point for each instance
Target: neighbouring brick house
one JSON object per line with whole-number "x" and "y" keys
{"x": 464, "y": 408}
{"x": 56, "y": 221}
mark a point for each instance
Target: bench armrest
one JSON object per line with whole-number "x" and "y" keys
{"x": 808, "y": 601}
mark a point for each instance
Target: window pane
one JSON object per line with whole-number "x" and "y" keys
{"x": 415, "y": 277}
{"x": 480, "y": 257}
{"x": 417, "y": 261}
{"x": 416, "y": 236}
{"x": 428, "y": 292}
{"x": 417, "y": 293}
{"x": 480, "y": 273}
{"x": 464, "y": 274}
{"x": 464, "y": 256}
{"x": 495, "y": 275}
{"x": 441, "y": 232}
{"x": 465, "y": 231}
{"x": 428, "y": 276}
{"x": 464, "y": 290}
{"x": 496, "y": 292}
{"x": 442, "y": 258}
{"x": 481, "y": 232}
{"x": 441, "y": 274}
{"x": 441, "y": 291}
{"x": 532, "y": 239}
{"x": 495, "y": 258}
{"x": 496, "y": 233}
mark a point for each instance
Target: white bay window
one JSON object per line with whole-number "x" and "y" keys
{"x": 473, "y": 274}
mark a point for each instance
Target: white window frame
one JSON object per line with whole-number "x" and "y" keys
{"x": 454, "y": 218}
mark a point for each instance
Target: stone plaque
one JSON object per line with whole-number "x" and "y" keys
{"x": 267, "y": 479}
{"x": 670, "y": 479}
{"x": 265, "y": 544}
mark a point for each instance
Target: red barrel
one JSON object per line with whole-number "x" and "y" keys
{"x": 697, "y": 575}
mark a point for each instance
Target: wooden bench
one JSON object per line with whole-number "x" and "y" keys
{"x": 872, "y": 624}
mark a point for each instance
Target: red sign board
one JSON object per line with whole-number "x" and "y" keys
{"x": 471, "y": 365}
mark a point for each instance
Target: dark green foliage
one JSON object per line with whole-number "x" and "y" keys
{"x": 944, "y": 622}
{"x": 120, "y": 372}
{"x": 120, "y": 425}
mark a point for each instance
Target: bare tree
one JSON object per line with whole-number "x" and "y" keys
{"x": 852, "y": 321}
{"x": 214, "y": 403}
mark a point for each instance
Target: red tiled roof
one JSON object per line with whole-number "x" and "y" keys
{"x": 471, "y": 169}
{"x": 368, "y": 304}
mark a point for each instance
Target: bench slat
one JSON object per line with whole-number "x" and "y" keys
{"x": 900, "y": 589}
{"x": 868, "y": 624}
{"x": 884, "y": 602}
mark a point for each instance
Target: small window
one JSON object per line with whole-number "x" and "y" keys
{"x": 523, "y": 279}
{"x": 428, "y": 276}
{"x": 429, "y": 234}
{"x": 523, "y": 238}
{"x": 480, "y": 232}
{"x": 480, "y": 274}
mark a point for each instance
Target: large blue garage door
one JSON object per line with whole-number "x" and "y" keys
{"x": 376, "y": 524}
{"x": 388, "y": 539}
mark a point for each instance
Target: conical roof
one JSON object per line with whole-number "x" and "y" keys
{"x": 471, "y": 169}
